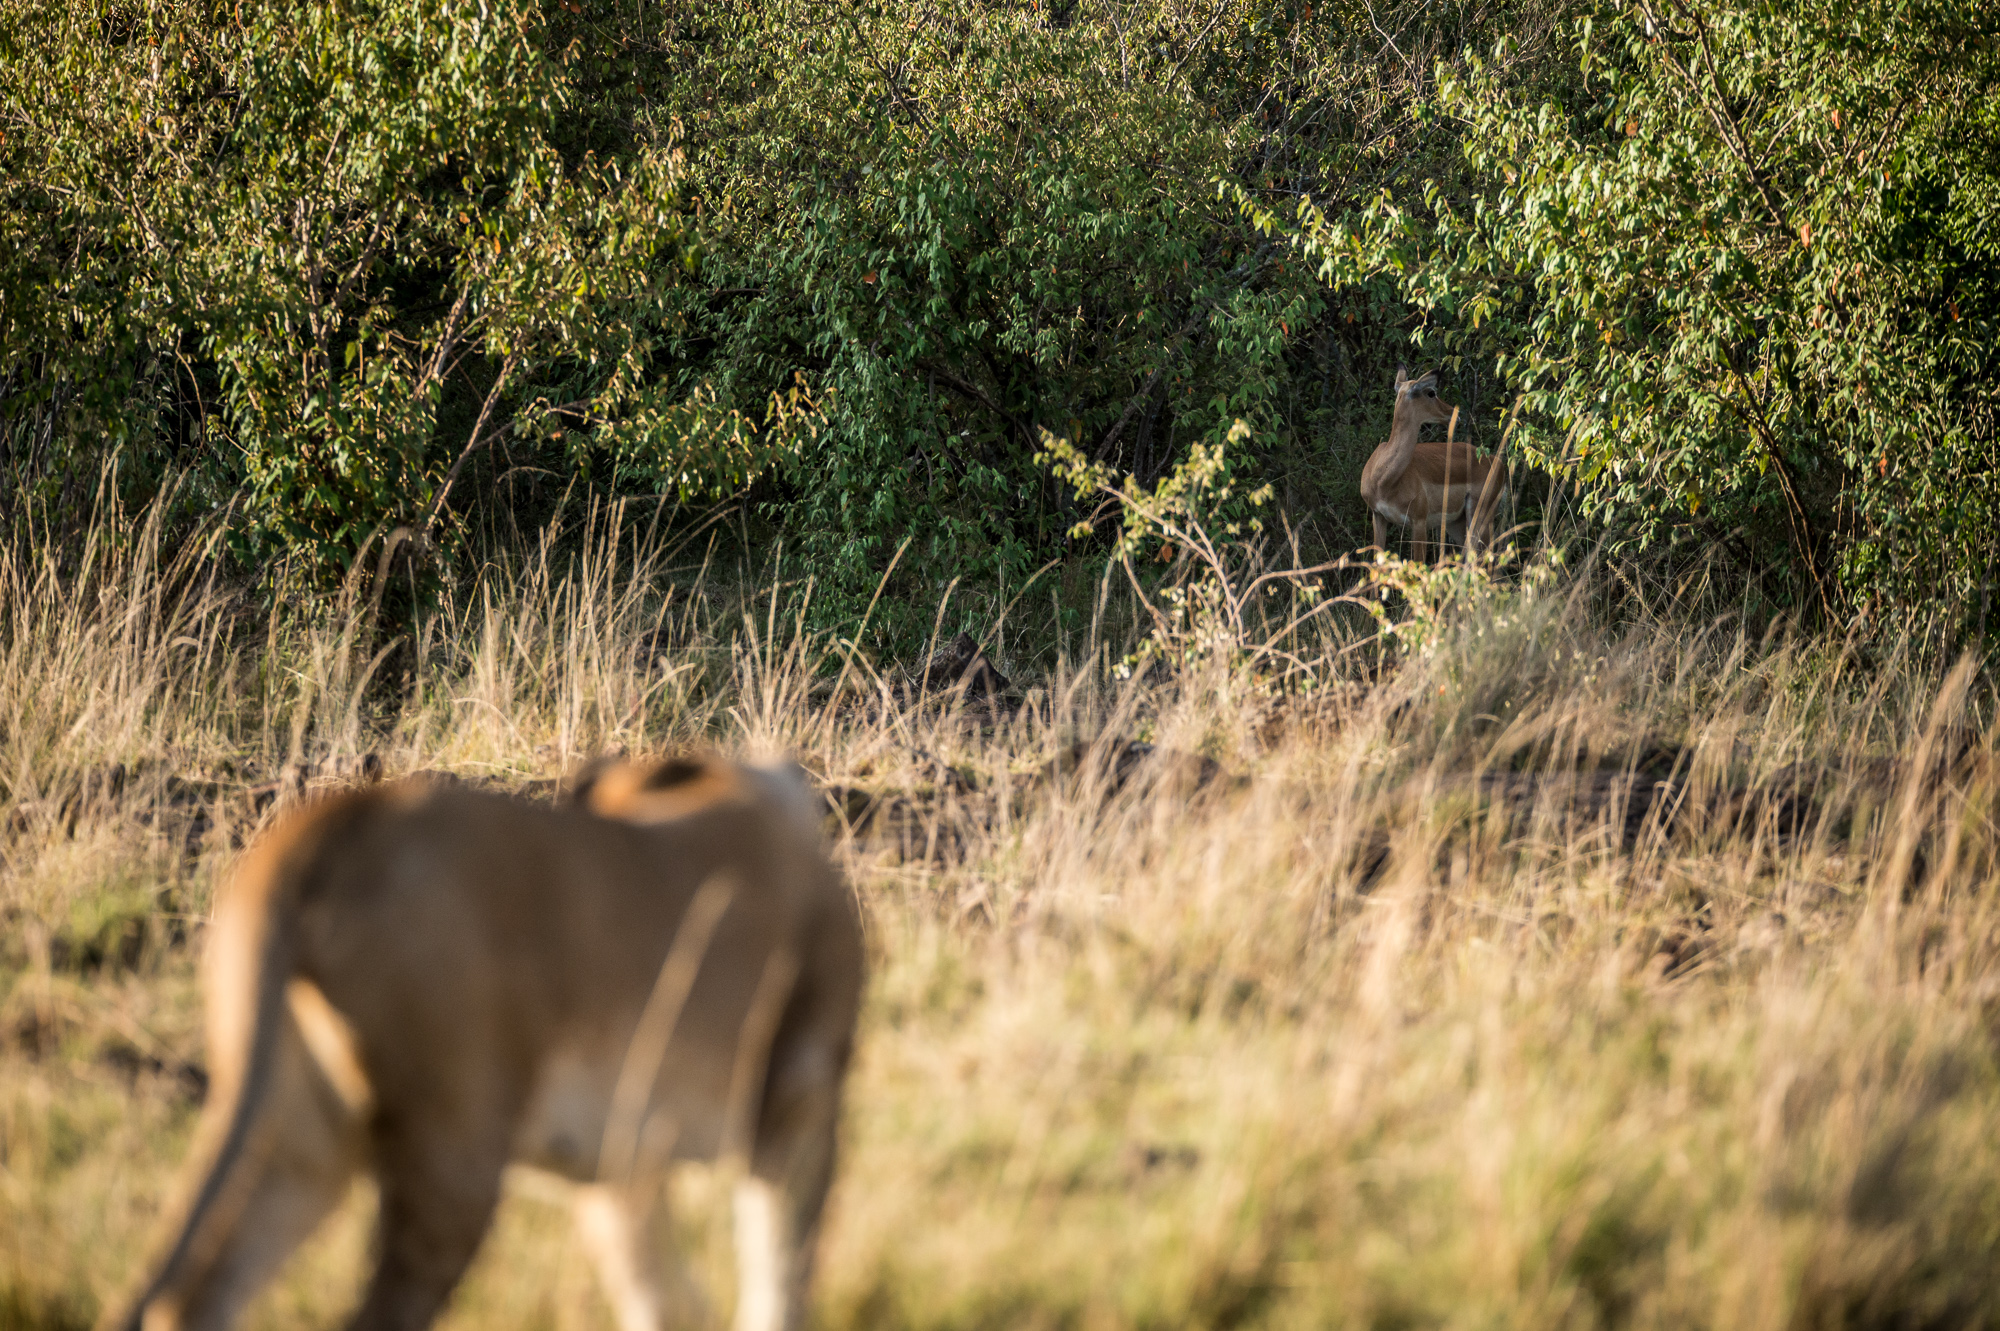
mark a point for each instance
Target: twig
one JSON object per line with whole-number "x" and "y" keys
{"x": 1124, "y": 57}
{"x": 1220, "y": 5}
{"x": 479, "y": 438}
{"x": 1725, "y": 120}
{"x": 1801, "y": 524}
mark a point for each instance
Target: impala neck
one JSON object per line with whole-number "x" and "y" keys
{"x": 1403, "y": 429}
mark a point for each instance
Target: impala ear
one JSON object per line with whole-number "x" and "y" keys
{"x": 1402, "y": 375}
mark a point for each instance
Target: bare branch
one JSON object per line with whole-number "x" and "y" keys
{"x": 479, "y": 439}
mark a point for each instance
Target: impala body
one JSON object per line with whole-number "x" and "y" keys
{"x": 1424, "y": 486}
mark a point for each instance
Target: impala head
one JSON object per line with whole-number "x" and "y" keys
{"x": 1418, "y": 400}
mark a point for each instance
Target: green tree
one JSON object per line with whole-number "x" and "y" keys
{"x": 372, "y": 236}
{"x": 975, "y": 224}
{"x": 1744, "y": 279}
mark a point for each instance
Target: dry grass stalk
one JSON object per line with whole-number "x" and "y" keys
{"x": 1567, "y": 975}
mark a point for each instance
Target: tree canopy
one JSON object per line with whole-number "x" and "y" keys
{"x": 1724, "y": 273}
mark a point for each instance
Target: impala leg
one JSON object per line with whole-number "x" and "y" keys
{"x": 1382, "y": 543}
{"x": 1491, "y": 492}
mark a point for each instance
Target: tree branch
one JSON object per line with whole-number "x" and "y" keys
{"x": 1801, "y": 523}
{"x": 479, "y": 438}
{"x": 1725, "y": 120}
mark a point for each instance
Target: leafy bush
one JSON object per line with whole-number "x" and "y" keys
{"x": 333, "y": 255}
{"x": 341, "y": 249}
{"x": 1224, "y": 602}
{"x": 1741, "y": 276}
{"x": 973, "y": 227}
{"x": 1726, "y": 274}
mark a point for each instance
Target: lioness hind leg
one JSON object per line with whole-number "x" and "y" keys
{"x": 767, "y": 1283}
{"x": 439, "y": 1190}
{"x": 645, "y": 1281}
{"x": 777, "y": 1227}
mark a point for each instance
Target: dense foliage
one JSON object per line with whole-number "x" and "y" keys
{"x": 1746, "y": 280}
{"x": 1726, "y": 273}
{"x": 326, "y": 255}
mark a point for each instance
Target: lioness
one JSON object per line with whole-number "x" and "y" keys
{"x": 428, "y": 982}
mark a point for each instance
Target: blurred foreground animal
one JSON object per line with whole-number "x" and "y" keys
{"x": 427, "y": 982}
{"x": 1422, "y": 485}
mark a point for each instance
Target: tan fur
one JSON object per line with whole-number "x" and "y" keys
{"x": 429, "y": 983}
{"x": 1425, "y": 485}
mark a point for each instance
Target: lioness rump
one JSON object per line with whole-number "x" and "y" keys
{"x": 429, "y": 982}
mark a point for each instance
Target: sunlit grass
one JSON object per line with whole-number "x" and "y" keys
{"x": 1415, "y": 1018}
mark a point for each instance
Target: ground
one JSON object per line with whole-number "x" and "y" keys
{"x": 1548, "y": 971}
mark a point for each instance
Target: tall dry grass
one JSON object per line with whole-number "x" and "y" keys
{"x": 1560, "y": 973}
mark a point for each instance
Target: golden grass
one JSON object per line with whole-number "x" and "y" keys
{"x": 1438, "y": 1017}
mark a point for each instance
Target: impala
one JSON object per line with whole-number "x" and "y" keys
{"x": 1425, "y": 485}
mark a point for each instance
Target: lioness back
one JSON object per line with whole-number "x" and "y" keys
{"x": 430, "y": 981}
